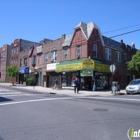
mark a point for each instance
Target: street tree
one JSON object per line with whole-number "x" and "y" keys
{"x": 12, "y": 72}
{"x": 134, "y": 64}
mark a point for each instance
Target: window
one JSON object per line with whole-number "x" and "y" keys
{"x": 78, "y": 51}
{"x": 33, "y": 60}
{"x": 25, "y": 61}
{"x": 46, "y": 57}
{"x": 125, "y": 59}
{"x": 16, "y": 50}
{"x": 12, "y": 51}
{"x": 118, "y": 57}
{"x": 39, "y": 59}
{"x": 53, "y": 56}
{"x": 20, "y": 62}
{"x": 94, "y": 50}
{"x": 107, "y": 54}
{"x": 65, "y": 53}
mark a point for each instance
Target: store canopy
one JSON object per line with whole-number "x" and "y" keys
{"x": 23, "y": 70}
{"x": 101, "y": 67}
{"x": 85, "y": 64}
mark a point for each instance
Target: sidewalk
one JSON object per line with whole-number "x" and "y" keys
{"x": 69, "y": 91}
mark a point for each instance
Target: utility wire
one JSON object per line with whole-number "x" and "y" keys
{"x": 125, "y": 33}
{"x": 119, "y": 15}
{"x": 120, "y": 29}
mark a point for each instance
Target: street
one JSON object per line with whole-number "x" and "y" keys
{"x": 27, "y": 115}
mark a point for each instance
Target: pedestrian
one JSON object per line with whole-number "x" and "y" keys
{"x": 118, "y": 87}
{"x": 76, "y": 85}
{"x": 55, "y": 85}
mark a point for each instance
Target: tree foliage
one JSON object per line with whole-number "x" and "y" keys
{"x": 12, "y": 72}
{"x": 134, "y": 64}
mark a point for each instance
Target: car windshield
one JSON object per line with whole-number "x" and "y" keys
{"x": 135, "y": 82}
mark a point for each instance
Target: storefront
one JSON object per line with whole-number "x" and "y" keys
{"x": 23, "y": 73}
{"x": 51, "y": 75}
{"x": 83, "y": 69}
{"x": 102, "y": 75}
{"x": 86, "y": 70}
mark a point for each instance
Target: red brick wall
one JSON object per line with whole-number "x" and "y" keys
{"x": 78, "y": 39}
{"x": 95, "y": 39}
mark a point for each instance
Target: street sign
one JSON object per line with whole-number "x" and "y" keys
{"x": 112, "y": 68}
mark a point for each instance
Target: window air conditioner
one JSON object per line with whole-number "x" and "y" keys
{"x": 52, "y": 59}
{"x": 78, "y": 55}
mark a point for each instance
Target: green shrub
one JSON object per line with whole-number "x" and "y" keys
{"x": 29, "y": 81}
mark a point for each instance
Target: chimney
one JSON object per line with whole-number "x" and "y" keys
{"x": 133, "y": 45}
{"x": 121, "y": 41}
{"x": 64, "y": 36}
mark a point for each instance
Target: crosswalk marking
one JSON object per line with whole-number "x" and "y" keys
{"x": 4, "y": 90}
{"x": 6, "y": 93}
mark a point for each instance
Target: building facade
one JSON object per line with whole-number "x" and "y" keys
{"x": 19, "y": 56}
{"x": 85, "y": 54}
{"x": 4, "y": 62}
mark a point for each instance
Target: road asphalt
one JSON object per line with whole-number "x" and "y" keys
{"x": 69, "y": 91}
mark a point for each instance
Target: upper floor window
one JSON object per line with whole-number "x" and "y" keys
{"x": 65, "y": 53}
{"x": 12, "y": 51}
{"x": 39, "y": 58}
{"x": 20, "y": 62}
{"x": 94, "y": 50}
{"x": 53, "y": 55}
{"x": 107, "y": 54}
{"x": 78, "y": 51}
{"x": 16, "y": 50}
{"x": 25, "y": 62}
{"x": 118, "y": 57}
{"x": 46, "y": 57}
{"x": 125, "y": 58}
{"x": 33, "y": 60}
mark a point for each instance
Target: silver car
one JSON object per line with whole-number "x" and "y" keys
{"x": 133, "y": 87}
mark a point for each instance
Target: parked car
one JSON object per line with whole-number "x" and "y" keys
{"x": 133, "y": 87}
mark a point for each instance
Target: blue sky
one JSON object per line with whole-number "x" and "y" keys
{"x": 35, "y": 20}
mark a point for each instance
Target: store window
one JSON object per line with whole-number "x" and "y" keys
{"x": 101, "y": 81}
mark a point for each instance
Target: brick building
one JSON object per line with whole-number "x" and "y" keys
{"x": 19, "y": 56}
{"x": 86, "y": 44}
{"x": 4, "y": 61}
{"x": 85, "y": 53}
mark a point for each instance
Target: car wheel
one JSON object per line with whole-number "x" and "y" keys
{"x": 127, "y": 93}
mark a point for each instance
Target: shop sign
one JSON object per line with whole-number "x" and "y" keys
{"x": 101, "y": 67}
{"x": 85, "y": 73}
{"x": 24, "y": 70}
{"x": 86, "y": 64}
{"x": 69, "y": 67}
{"x": 51, "y": 66}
